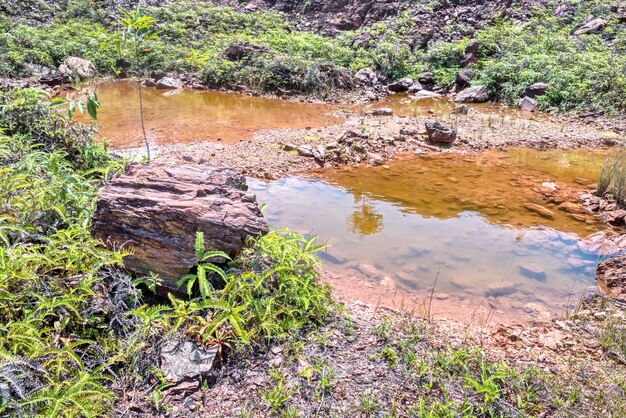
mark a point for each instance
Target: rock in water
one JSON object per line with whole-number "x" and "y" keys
{"x": 476, "y": 94}
{"x": 155, "y": 210}
{"x": 539, "y": 210}
{"x": 168, "y": 83}
{"x": 439, "y": 134}
{"x": 401, "y": 86}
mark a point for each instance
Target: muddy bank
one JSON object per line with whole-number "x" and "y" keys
{"x": 369, "y": 139}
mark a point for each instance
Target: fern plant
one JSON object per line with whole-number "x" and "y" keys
{"x": 204, "y": 268}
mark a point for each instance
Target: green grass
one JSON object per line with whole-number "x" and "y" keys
{"x": 612, "y": 177}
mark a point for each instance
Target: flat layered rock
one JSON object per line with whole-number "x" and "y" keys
{"x": 155, "y": 211}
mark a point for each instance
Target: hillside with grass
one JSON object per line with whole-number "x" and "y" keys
{"x": 576, "y": 48}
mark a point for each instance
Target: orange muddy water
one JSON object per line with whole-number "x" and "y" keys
{"x": 461, "y": 225}
{"x": 457, "y": 223}
{"x": 185, "y": 115}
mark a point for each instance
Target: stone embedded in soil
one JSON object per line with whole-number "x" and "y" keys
{"x": 155, "y": 211}
{"x": 74, "y": 67}
{"x": 540, "y": 210}
{"x": 533, "y": 271}
{"x": 383, "y": 111}
{"x": 184, "y": 361}
{"x": 461, "y": 110}
{"x": 571, "y": 207}
{"x": 305, "y": 151}
{"x": 439, "y": 134}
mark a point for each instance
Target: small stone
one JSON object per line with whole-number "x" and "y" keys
{"x": 540, "y": 210}
{"x": 305, "y": 151}
{"x": 289, "y": 147}
{"x": 461, "y": 110}
{"x": 383, "y": 111}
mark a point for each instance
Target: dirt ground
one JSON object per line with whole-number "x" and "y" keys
{"x": 271, "y": 154}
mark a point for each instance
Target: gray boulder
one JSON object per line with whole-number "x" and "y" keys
{"x": 592, "y": 25}
{"x": 535, "y": 90}
{"x": 75, "y": 67}
{"x": 168, "y": 83}
{"x": 400, "y": 86}
{"x": 367, "y": 76}
{"x": 476, "y": 94}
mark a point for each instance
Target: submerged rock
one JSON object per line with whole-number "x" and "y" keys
{"x": 439, "y": 134}
{"x": 155, "y": 211}
{"x": 539, "y": 210}
{"x": 383, "y": 111}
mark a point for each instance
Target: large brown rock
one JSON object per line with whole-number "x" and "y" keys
{"x": 155, "y": 210}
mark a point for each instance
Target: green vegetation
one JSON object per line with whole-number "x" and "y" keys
{"x": 74, "y": 332}
{"x": 583, "y": 72}
{"x": 612, "y": 177}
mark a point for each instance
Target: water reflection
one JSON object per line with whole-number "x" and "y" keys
{"x": 460, "y": 219}
{"x": 365, "y": 219}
